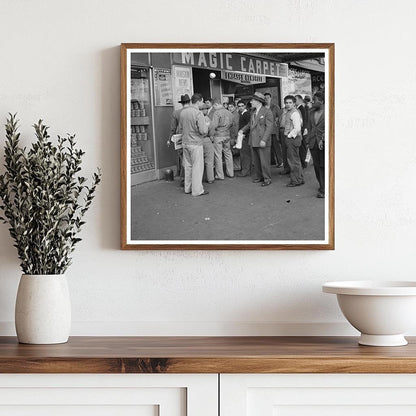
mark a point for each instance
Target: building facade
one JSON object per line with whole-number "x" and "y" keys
{"x": 159, "y": 79}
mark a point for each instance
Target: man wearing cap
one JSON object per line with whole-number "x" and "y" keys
{"x": 260, "y": 127}
{"x": 219, "y": 131}
{"x": 174, "y": 129}
{"x": 193, "y": 127}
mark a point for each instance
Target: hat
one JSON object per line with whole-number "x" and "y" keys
{"x": 258, "y": 96}
{"x": 184, "y": 98}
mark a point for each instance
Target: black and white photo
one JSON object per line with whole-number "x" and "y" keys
{"x": 227, "y": 146}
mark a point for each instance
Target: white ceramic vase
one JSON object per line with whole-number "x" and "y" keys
{"x": 43, "y": 309}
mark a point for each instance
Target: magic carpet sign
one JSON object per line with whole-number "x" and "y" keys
{"x": 235, "y": 62}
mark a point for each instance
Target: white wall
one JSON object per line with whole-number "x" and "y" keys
{"x": 60, "y": 62}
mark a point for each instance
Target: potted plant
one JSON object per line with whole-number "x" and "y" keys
{"x": 44, "y": 200}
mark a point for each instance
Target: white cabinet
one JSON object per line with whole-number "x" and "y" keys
{"x": 108, "y": 394}
{"x": 317, "y": 395}
{"x": 197, "y": 395}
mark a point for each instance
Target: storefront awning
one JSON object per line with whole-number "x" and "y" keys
{"x": 311, "y": 64}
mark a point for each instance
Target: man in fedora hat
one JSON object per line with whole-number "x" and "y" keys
{"x": 174, "y": 124}
{"x": 260, "y": 127}
{"x": 174, "y": 129}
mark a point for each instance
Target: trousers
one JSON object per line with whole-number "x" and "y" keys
{"x": 283, "y": 144}
{"x": 222, "y": 146}
{"x": 208, "y": 159}
{"x": 318, "y": 158}
{"x": 261, "y": 162}
{"x": 276, "y": 151}
{"x": 193, "y": 163}
{"x": 245, "y": 158}
{"x": 293, "y": 159}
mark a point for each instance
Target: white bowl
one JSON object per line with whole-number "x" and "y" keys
{"x": 381, "y": 311}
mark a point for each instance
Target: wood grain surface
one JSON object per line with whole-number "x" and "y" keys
{"x": 206, "y": 355}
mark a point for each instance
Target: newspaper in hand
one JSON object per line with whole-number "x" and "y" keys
{"x": 177, "y": 140}
{"x": 239, "y": 143}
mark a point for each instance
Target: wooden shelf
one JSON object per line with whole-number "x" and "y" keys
{"x": 206, "y": 355}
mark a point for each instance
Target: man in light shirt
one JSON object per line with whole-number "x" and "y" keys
{"x": 193, "y": 127}
{"x": 292, "y": 125}
{"x": 219, "y": 130}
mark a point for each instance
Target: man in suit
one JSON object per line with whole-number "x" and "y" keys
{"x": 193, "y": 127}
{"x": 245, "y": 151}
{"x": 276, "y": 150}
{"x": 316, "y": 135}
{"x": 260, "y": 127}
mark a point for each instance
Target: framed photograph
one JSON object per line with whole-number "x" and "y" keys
{"x": 227, "y": 146}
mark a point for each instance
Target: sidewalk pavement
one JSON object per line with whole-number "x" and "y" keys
{"x": 234, "y": 209}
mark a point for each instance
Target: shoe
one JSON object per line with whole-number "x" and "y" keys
{"x": 187, "y": 193}
{"x": 241, "y": 175}
{"x": 320, "y": 195}
{"x": 210, "y": 181}
{"x": 279, "y": 165}
{"x": 266, "y": 182}
{"x": 292, "y": 184}
{"x": 204, "y": 193}
{"x": 218, "y": 178}
{"x": 257, "y": 180}
{"x": 284, "y": 172}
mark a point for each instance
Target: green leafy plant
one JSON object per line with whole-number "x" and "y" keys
{"x": 44, "y": 198}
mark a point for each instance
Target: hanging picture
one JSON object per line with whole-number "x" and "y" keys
{"x": 227, "y": 146}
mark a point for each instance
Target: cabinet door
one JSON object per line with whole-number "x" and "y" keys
{"x": 313, "y": 395}
{"x": 105, "y": 395}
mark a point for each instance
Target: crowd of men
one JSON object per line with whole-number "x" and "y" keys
{"x": 270, "y": 136}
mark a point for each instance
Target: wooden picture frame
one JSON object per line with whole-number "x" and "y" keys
{"x": 155, "y": 212}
